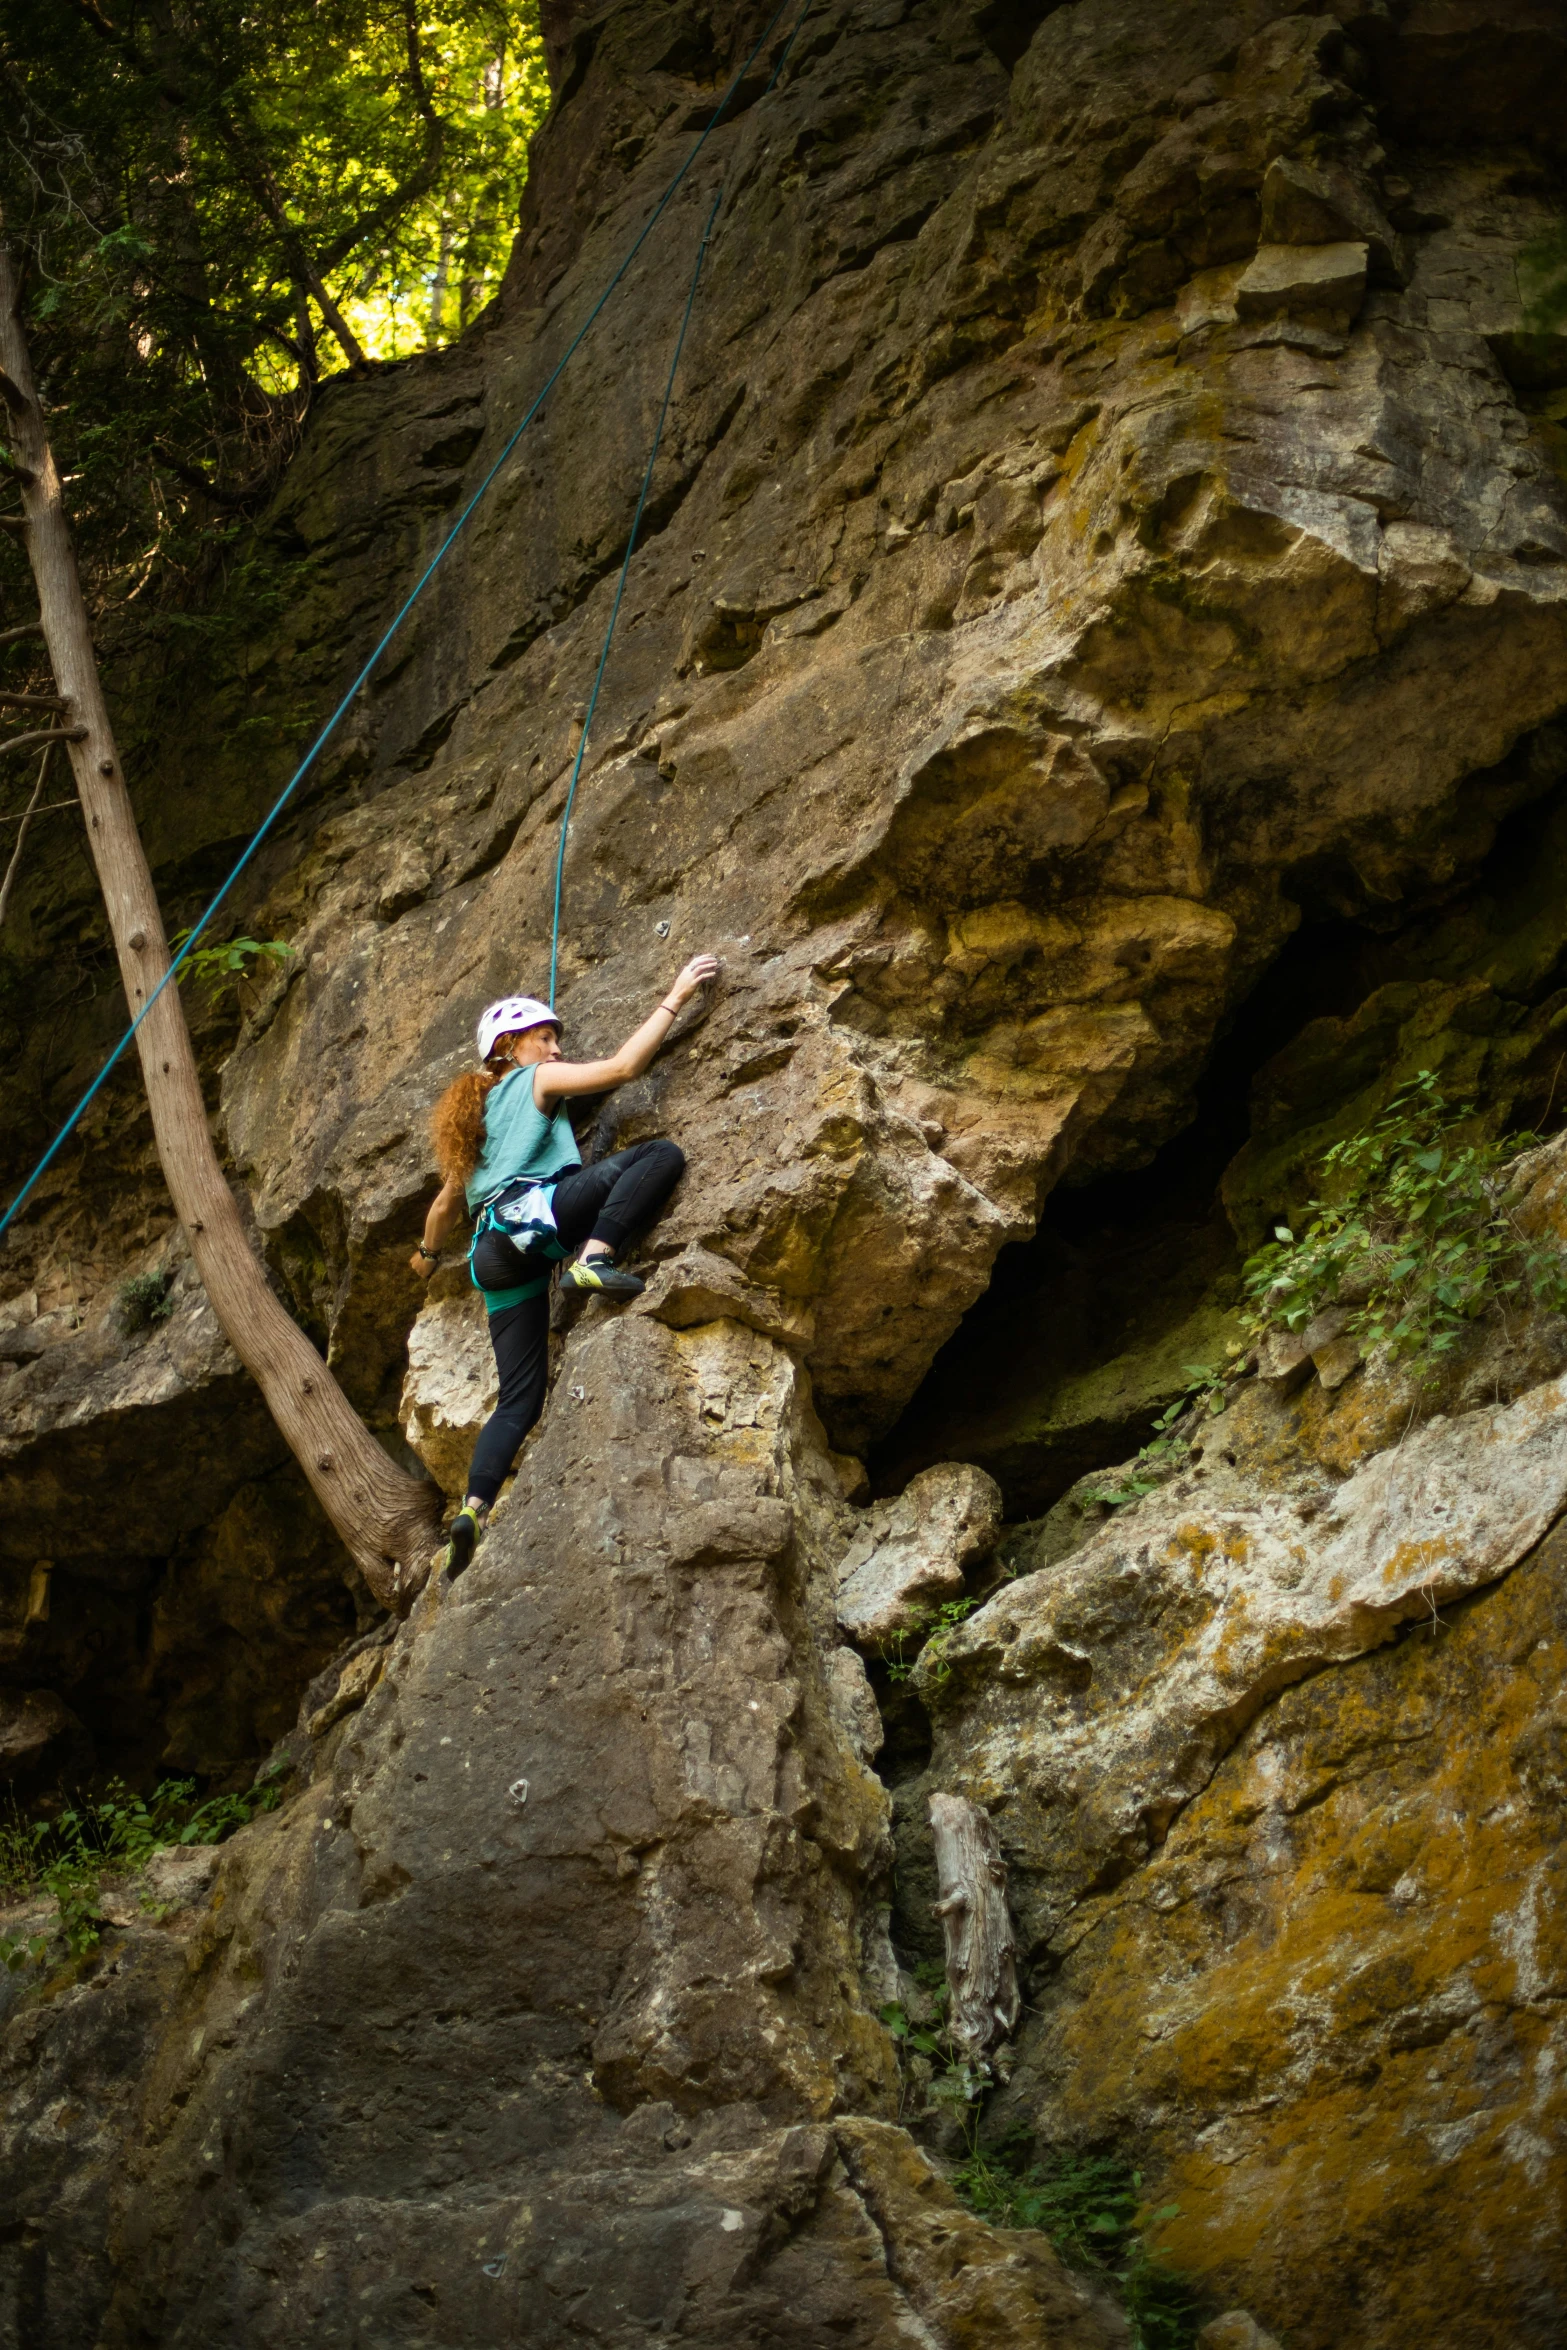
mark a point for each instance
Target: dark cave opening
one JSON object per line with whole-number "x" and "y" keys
{"x": 171, "y": 1583}
{"x": 1085, "y": 1331}
{"x": 1007, "y": 27}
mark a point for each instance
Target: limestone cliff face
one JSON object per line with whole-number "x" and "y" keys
{"x": 1096, "y": 670}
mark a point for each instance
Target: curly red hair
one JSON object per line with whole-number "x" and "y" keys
{"x": 457, "y": 1121}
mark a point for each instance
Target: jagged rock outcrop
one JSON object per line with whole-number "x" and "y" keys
{"x": 551, "y": 1984}
{"x": 1111, "y": 526}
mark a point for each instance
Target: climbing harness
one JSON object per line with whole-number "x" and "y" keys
{"x": 194, "y": 934}
{"x": 524, "y": 1214}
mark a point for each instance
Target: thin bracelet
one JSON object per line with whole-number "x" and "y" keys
{"x": 672, "y": 1009}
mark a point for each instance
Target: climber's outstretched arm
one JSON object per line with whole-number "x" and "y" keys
{"x": 552, "y": 1079}
{"x": 444, "y": 1211}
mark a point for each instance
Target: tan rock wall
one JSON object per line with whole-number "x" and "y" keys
{"x": 1052, "y": 653}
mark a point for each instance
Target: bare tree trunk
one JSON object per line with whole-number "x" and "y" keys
{"x": 387, "y": 1520}
{"x": 971, "y": 1879}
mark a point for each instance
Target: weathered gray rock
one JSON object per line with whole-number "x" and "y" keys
{"x": 608, "y": 1766}
{"x": 1307, "y": 204}
{"x": 853, "y": 1703}
{"x": 450, "y": 1387}
{"x": 1096, "y": 1698}
{"x": 1321, "y": 284}
{"x": 982, "y": 939}
{"x": 1235, "y": 2330}
{"x": 41, "y": 1740}
{"x": 163, "y": 1568}
{"x": 910, "y": 1554}
{"x": 1284, "y": 1360}
{"x": 181, "y": 1874}
{"x": 1342, "y": 1962}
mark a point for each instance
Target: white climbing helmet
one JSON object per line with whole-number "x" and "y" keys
{"x": 507, "y": 1018}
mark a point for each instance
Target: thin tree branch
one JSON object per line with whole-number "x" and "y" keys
{"x": 194, "y": 479}
{"x": 31, "y": 702}
{"x": 46, "y": 734}
{"x": 258, "y": 174}
{"x": 9, "y": 636}
{"x": 28, "y": 813}
{"x": 93, "y": 16}
{"x": 421, "y": 179}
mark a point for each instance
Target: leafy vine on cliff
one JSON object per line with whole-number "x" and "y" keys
{"x": 66, "y": 1857}
{"x": 1414, "y": 1238}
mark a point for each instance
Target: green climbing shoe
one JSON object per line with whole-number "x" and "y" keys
{"x": 603, "y": 1275}
{"x": 464, "y": 1532}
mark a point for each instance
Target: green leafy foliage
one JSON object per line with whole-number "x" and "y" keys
{"x": 897, "y": 1658}
{"x": 1169, "y": 1448}
{"x": 232, "y": 960}
{"x": 943, "y": 1622}
{"x": 952, "y": 2080}
{"x": 219, "y": 206}
{"x": 1092, "y": 2208}
{"x": 1413, "y": 1235}
{"x": 143, "y": 1300}
{"x": 114, "y": 1834}
{"x": 1542, "y": 282}
{"x": 926, "y": 1640}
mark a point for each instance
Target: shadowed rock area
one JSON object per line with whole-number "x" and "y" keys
{"x": 1095, "y": 668}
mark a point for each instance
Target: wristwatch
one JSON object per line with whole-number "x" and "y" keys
{"x": 429, "y": 1254}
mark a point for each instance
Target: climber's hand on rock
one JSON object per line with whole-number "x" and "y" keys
{"x": 423, "y": 1266}
{"x": 697, "y": 972}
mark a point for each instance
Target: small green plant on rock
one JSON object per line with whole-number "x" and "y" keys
{"x": 930, "y": 1632}
{"x": 1414, "y": 1240}
{"x": 896, "y": 1657}
{"x": 144, "y": 1299}
{"x": 1414, "y": 1236}
{"x": 217, "y": 965}
{"x": 1170, "y": 1446}
{"x": 943, "y": 1622}
{"x": 956, "y": 2080}
{"x": 1091, "y": 2207}
{"x": 114, "y": 1834}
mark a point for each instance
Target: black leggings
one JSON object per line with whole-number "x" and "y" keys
{"x": 603, "y": 1202}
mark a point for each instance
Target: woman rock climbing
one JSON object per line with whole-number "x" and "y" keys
{"x": 505, "y": 1148}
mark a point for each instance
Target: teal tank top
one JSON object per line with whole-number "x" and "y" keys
{"x": 520, "y": 1139}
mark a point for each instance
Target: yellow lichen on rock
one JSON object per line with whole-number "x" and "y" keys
{"x": 1329, "y": 2010}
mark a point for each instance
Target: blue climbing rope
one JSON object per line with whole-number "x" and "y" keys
{"x": 412, "y": 598}
{"x": 620, "y": 589}
{"x": 636, "y": 525}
